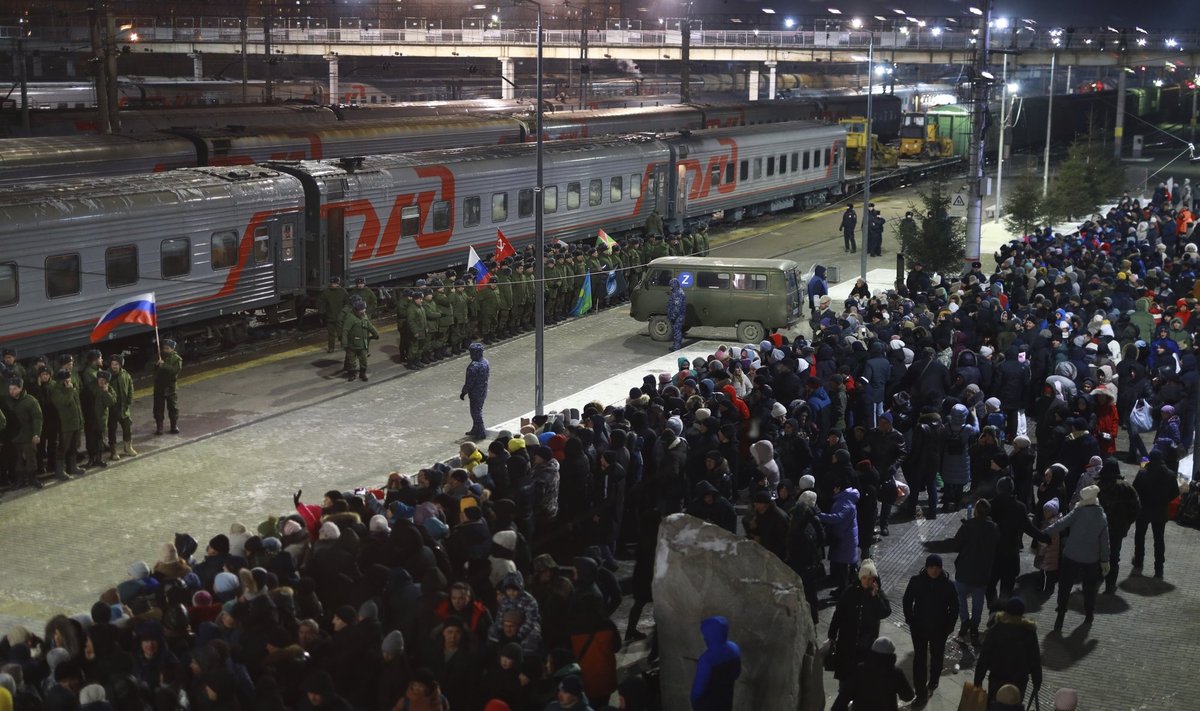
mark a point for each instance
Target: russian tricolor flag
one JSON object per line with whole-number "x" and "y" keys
{"x": 482, "y": 275}
{"x": 135, "y": 309}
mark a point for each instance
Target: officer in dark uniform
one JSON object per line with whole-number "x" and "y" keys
{"x": 875, "y": 233}
{"x": 476, "y": 386}
{"x": 848, "y": 226}
{"x": 166, "y": 375}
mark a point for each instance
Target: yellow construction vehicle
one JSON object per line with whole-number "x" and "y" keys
{"x": 919, "y": 139}
{"x": 882, "y": 156}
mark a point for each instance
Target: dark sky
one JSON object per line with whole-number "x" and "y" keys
{"x": 1173, "y": 14}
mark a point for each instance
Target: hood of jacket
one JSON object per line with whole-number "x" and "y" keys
{"x": 763, "y": 451}
{"x": 715, "y": 631}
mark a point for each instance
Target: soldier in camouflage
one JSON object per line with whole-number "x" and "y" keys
{"x": 357, "y": 334}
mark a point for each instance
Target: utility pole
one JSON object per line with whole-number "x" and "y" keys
{"x": 24, "y": 79}
{"x": 269, "y": 89}
{"x": 1003, "y": 130}
{"x": 1049, "y": 125}
{"x": 981, "y": 88}
{"x": 584, "y": 70}
{"x": 685, "y": 55}
{"x": 866, "y": 228}
{"x": 1119, "y": 129}
{"x": 104, "y": 65}
{"x": 242, "y": 23}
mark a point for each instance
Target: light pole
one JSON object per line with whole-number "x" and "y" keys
{"x": 539, "y": 243}
{"x": 1049, "y": 126}
{"x": 1004, "y": 92}
{"x": 866, "y": 232}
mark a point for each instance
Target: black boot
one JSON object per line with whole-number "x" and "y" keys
{"x": 174, "y": 427}
{"x": 362, "y": 375}
{"x": 158, "y": 427}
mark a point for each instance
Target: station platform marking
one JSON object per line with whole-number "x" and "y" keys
{"x": 614, "y": 390}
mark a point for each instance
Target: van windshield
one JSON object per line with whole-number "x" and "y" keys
{"x": 658, "y": 277}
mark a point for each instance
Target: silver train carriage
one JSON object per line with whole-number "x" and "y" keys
{"x": 216, "y": 243}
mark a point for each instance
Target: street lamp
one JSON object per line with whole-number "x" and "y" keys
{"x": 539, "y": 241}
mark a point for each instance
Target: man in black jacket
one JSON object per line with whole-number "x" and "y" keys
{"x": 849, "y": 224}
{"x": 709, "y": 505}
{"x": 1010, "y": 651}
{"x": 1156, "y": 487}
{"x": 1012, "y": 518}
{"x": 930, "y": 606}
{"x": 1012, "y": 388}
{"x": 768, "y": 524}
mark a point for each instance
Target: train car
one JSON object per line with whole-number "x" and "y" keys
{"x": 604, "y": 122}
{"x": 82, "y": 122}
{"x": 351, "y": 139}
{"x": 752, "y": 113}
{"x": 218, "y": 243}
{"x": 23, "y": 160}
{"x": 211, "y": 242}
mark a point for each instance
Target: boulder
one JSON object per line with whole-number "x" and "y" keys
{"x": 701, "y": 570}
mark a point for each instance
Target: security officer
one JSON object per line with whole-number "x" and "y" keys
{"x": 875, "y": 233}
{"x": 65, "y": 398}
{"x": 329, "y": 305}
{"x": 166, "y": 375}
{"x": 367, "y": 294}
{"x": 848, "y": 227}
{"x": 22, "y": 429}
{"x": 120, "y": 384}
{"x": 441, "y": 297}
{"x": 476, "y": 386}
{"x": 101, "y": 402}
{"x": 357, "y": 334}
{"x": 417, "y": 328}
{"x": 433, "y": 316}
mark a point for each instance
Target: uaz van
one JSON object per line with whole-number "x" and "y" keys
{"x": 751, "y": 295}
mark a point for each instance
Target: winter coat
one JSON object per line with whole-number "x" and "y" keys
{"x": 1011, "y": 652}
{"x": 770, "y": 528}
{"x": 1156, "y": 486}
{"x": 976, "y": 541}
{"x": 1088, "y": 542}
{"x": 1120, "y": 502}
{"x": 763, "y": 452}
{"x": 925, "y": 455}
{"x": 878, "y": 682}
{"x": 1047, "y": 556}
{"x": 719, "y": 512}
{"x": 931, "y": 605}
{"x": 1012, "y": 382}
{"x": 841, "y": 527}
{"x": 876, "y": 373}
{"x": 545, "y": 482}
{"x": 855, "y": 626}
{"x": 717, "y": 669}
{"x": 956, "y": 438}
{"x": 805, "y": 541}
{"x": 531, "y": 629}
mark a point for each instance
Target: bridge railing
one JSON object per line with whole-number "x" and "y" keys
{"x": 805, "y": 38}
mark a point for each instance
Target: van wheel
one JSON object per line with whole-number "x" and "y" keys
{"x": 660, "y": 328}
{"x": 750, "y": 332}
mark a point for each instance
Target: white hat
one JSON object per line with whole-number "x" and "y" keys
{"x": 1089, "y": 495}
{"x": 778, "y": 410}
{"x": 807, "y": 482}
{"x": 986, "y": 351}
{"x": 867, "y": 569}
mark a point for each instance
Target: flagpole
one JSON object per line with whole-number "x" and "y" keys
{"x": 157, "y": 344}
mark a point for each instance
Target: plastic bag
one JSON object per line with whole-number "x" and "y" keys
{"x": 1141, "y": 418}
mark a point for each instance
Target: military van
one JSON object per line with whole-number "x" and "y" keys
{"x": 751, "y": 295}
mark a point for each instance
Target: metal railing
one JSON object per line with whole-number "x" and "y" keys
{"x": 901, "y": 37}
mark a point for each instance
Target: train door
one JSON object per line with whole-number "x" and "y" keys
{"x": 681, "y": 191}
{"x": 289, "y": 262}
{"x": 335, "y": 243}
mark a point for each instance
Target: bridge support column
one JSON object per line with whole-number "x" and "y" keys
{"x": 334, "y": 91}
{"x": 753, "y": 84}
{"x": 771, "y": 80}
{"x": 197, "y": 65}
{"x": 508, "y": 78}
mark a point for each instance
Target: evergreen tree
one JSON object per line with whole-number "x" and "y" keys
{"x": 1023, "y": 209}
{"x": 1089, "y": 176}
{"x": 935, "y": 239}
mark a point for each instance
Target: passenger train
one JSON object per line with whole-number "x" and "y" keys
{"x": 310, "y": 133}
{"x": 217, "y": 243}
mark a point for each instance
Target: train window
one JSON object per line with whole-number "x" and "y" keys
{"x": 549, "y": 199}
{"x": 757, "y": 169}
{"x": 471, "y": 211}
{"x": 120, "y": 266}
{"x": 744, "y": 171}
{"x": 223, "y": 250}
{"x": 525, "y": 202}
{"x": 410, "y": 221}
{"x": 817, "y": 158}
{"x": 729, "y": 172}
{"x": 827, "y": 161}
{"x": 441, "y": 215}
{"x": 175, "y": 257}
{"x": 715, "y": 175}
{"x": 616, "y": 190}
{"x": 288, "y": 243}
{"x": 835, "y": 158}
{"x": 595, "y": 192}
{"x": 9, "y": 294}
{"x": 770, "y": 166}
{"x": 262, "y": 245}
{"x": 499, "y": 207}
{"x": 795, "y": 161}
{"x": 62, "y": 275}
{"x": 573, "y": 196}
{"x": 782, "y": 163}
{"x": 806, "y": 160}
{"x": 635, "y": 186}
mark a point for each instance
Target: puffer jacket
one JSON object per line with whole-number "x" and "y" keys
{"x": 764, "y": 458}
{"x": 1088, "y": 542}
{"x": 841, "y": 527}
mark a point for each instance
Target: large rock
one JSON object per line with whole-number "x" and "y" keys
{"x": 702, "y": 570}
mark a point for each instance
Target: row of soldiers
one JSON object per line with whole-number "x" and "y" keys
{"x": 440, "y": 315}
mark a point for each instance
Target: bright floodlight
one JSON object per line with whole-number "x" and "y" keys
{"x": 1141, "y": 41}
{"x": 1158, "y": 82}
{"x": 856, "y": 23}
{"x": 936, "y": 31}
{"x": 768, "y": 10}
{"x": 1002, "y": 23}
{"x": 834, "y": 11}
{"x": 1172, "y": 42}
{"x": 1013, "y": 87}
{"x": 879, "y": 69}
{"x": 789, "y": 23}
{"x": 898, "y": 11}
{"x": 976, "y": 11}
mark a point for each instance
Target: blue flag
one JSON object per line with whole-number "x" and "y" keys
{"x": 611, "y": 285}
{"x": 584, "y": 303}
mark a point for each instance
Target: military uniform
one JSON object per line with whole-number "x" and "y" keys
{"x": 23, "y": 424}
{"x": 102, "y": 400}
{"x": 403, "y": 300}
{"x": 445, "y": 327}
{"x": 476, "y": 386}
{"x": 505, "y": 302}
{"x": 120, "y": 384}
{"x": 433, "y": 339}
{"x": 417, "y": 328}
{"x": 654, "y": 249}
{"x": 357, "y": 334}
{"x": 367, "y": 294}
{"x": 47, "y": 447}
{"x": 460, "y": 304}
{"x": 702, "y": 241}
{"x": 330, "y": 304}
{"x": 67, "y": 409}
{"x": 166, "y": 375}
{"x": 489, "y": 308}
{"x": 654, "y": 223}
{"x": 687, "y": 243}
{"x": 92, "y": 430}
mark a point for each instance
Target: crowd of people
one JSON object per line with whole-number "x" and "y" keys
{"x": 488, "y": 582}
